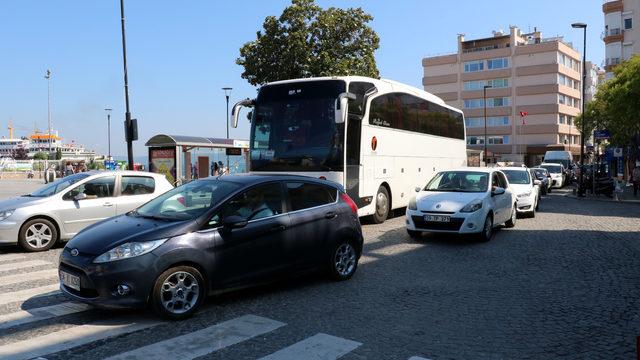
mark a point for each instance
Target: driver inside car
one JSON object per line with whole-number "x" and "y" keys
{"x": 255, "y": 207}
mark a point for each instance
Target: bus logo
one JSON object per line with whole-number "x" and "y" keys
{"x": 374, "y": 143}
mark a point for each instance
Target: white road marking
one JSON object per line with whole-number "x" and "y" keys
{"x": 10, "y": 257}
{"x": 22, "y": 295}
{"x": 69, "y": 338}
{"x": 23, "y": 265}
{"x": 205, "y": 341}
{"x": 319, "y": 346}
{"x": 43, "y": 313}
{"x": 417, "y": 358}
{"x": 31, "y": 276}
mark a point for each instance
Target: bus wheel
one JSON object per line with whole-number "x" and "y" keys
{"x": 382, "y": 206}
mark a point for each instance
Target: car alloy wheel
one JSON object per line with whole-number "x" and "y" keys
{"x": 514, "y": 217}
{"x": 37, "y": 235}
{"x": 345, "y": 259}
{"x": 487, "y": 230}
{"x": 178, "y": 292}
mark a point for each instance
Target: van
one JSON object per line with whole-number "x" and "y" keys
{"x": 559, "y": 157}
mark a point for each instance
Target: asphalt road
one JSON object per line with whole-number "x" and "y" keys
{"x": 565, "y": 284}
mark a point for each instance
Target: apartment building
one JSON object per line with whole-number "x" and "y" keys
{"x": 525, "y": 74}
{"x": 621, "y": 33}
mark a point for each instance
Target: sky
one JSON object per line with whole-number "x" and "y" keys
{"x": 181, "y": 53}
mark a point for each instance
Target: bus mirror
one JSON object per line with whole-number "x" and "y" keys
{"x": 235, "y": 111}
{"x": 341, "y": 106}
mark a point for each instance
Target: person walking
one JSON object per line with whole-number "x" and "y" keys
{"x": 221, "y": 168}
{"x": 636, "y": 180}
{"x": 68, "y": 170}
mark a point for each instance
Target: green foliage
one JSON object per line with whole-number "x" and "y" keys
{"x": 95, "y": 165}
{"x": 41, "y": 156}
{"x": 617, "y": 103}
{"x": 308, "y": 41}
{"x": 58, "y": 154}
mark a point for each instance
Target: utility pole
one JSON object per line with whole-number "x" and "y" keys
{"x": 227, "y": 92}
{"x": 48, "y": 77}
{"x": 484, "y": 102}
{"x": 127, "y": 115}
{"x": 582, "y": 26}
{"x": 108, "y": 110}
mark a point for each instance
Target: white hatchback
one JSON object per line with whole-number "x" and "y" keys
{"x": 525, "y": 188}
{"x": 463, "y": 201}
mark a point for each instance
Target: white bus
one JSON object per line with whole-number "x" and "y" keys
{"x": 378, "y": 138}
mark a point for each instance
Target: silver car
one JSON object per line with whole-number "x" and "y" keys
{"x": 62, "y": 208}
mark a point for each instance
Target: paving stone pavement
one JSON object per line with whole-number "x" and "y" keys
{"x": 565, "y": 284}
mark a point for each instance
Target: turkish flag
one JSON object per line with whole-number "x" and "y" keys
{"x": 522, "y": 115}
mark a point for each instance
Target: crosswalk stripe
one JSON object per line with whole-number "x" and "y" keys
{"x": 10, "y": 257}
{"x": 32, "y": 276}
{"x": 22, "y": 295}
{"x": 69, "y": 338}
{"x": 23, "y": 265}
{"x": 43, "y": 313}
{"x": 417, "y": 358}
{"x": 205, "y": 341}
{"x": 319, "y": 346}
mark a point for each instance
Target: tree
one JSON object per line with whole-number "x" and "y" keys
{"x": 58, "y": 154}
{"x": 308, "y": 41}
{"x": 40, "y": 156}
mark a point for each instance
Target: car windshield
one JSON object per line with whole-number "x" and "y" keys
{"x": 540, "y": 173}
{"x": 552, "y": 168}
{"x": 188, "y": 201}
{"x": 58, "y": 185}
{"x": 459, "y": 181}
{"x": 517, "y": 176}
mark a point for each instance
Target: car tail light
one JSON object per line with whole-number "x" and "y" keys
{"x": 351, "y": 203}
{"x": 182, "y": 201}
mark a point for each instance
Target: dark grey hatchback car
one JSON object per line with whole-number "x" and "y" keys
{"x": 210, "y": 235}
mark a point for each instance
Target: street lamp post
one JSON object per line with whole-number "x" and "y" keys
{"x": 484, "y": 102}
{"x": 127, "y": 114}
{"x": 48, "y": 77}
{"x": 582, "y": 26}
{"x": 108, "y": 110}
{"x": 227, "y": 92}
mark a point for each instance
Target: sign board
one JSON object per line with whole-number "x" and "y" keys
{"x": 601, "y": 134}
{"x": 162, "y": 160}
{"x": 234, "y": 151}
{"x": 241, "y": 143}
{"x": 617, "y": 152}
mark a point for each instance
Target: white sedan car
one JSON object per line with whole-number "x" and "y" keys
{"x": 62, "y": 208}
{"x": 463, "y": 201}
{"x": 526, "y": 189}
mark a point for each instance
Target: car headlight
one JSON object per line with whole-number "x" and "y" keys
{"x": 524, "y": 194}
{"x": 412, "y": 204}
{"x": 475, "y": 205}
{"x": 6, "y": 213}
{"x": 128, "y": 250}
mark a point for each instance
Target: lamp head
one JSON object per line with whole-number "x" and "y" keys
{"x": 227, "y": 90}
{"x": 579, "y": 25}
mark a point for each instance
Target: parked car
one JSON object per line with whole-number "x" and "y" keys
{"x": 544, "y": 177}
{"x": 62, "y": 208}
{"x": 557, "y": 173}
{"x": 464, "y": 201}
{"x": 232, "y": 231}
{"x": 525, "y": 188}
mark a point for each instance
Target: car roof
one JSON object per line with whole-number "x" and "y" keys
{"x": 123, "y": 172}
{"x": 250, "y": 179}
{"x": 472, "y": 169}
{"x": 514, "y": 168}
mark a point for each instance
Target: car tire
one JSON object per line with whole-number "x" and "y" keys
{"x": 178, "y": 292}
{"x": 37, "y": 235}
{"x": 549, "y": 190}
{"x": 537, "y": 205}
{"x": 512, "y": 220}
{"x": 414, "y": 234}
{"x": 343, "y": 261}
{"x": 381, "y": 206}
{"x": 487, "y": 230}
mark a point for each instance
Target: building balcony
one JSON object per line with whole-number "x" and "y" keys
{"x": 610, "y": 6}
{"x": 610, "y": 63}
{"x": 612, "y": 35}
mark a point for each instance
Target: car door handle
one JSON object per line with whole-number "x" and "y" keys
{"x": 330, "y": 215}
{"x": 276, "y": 228}
{"x": 107, "y": 204}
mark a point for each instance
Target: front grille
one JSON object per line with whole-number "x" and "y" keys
{"x": 453, "y": 225}
{"x": 438, "y": 212}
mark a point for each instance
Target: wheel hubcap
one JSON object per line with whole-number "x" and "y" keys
{"x": 381, "y": 204}
{"x": 38, "y": 235}
{"x": 345, "y": 259}
{"x": 180, "y": 292}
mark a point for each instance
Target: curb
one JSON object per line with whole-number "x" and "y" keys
{"x": 602, "y": 200}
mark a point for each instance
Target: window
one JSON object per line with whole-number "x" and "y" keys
{"x": 474, "y": 85}
{"x": 305, "y": 195}
{"x": 479, "y": 84}
{"x": 256, "y": 203}
{"x": 562, "y": 119}
{"x": 569, "y": 120}
{"x": 628, "y": 24}
{"x": 473, "y": 104}
{"x": 501, "y": 63}
{"x": 498, "y": 83}
{"x": 137, "y": 185}
{"x": 410, "y": 113}
{"x": 94, "y": 189}
{"x": 473, "y": 66}
{"x": 492, "y": 140}
{"x": 475, "y": 140}
{"x": 491, "y": 121}
{"x": 491, "y": 102}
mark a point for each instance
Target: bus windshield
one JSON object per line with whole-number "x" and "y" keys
{"x": 294, "y": 128}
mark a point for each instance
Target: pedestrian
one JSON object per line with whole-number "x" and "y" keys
{"x": 68, "y": 170}
{"x": 636, "y": 180}
{"x": 214, "y": 168}
{"x": 221, "y": 168}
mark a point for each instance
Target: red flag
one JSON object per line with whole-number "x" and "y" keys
{"x": 522, "y": 115}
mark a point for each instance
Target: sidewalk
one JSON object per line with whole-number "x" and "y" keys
{"x": 626, "y": 196}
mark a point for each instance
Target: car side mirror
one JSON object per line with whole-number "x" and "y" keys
{"x": 417, "y": 189}
{"x": 537, "y": 182}
{"x": 234, "y": 222}
{"x": 80, "y": 196}
{"x": 497, "y": 191}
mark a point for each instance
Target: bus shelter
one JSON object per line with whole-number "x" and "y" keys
{"x": 184, "y": 158}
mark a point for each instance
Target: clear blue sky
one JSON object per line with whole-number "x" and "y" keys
{"x": 181, "y": 53}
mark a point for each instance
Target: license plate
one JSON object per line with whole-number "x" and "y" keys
{"x": 437, "y": 218}
{"x": 69, "y": 280}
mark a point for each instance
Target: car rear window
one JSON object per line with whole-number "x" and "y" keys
{"x": 306, "y": 195}
{"x": 137, "y": 185}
